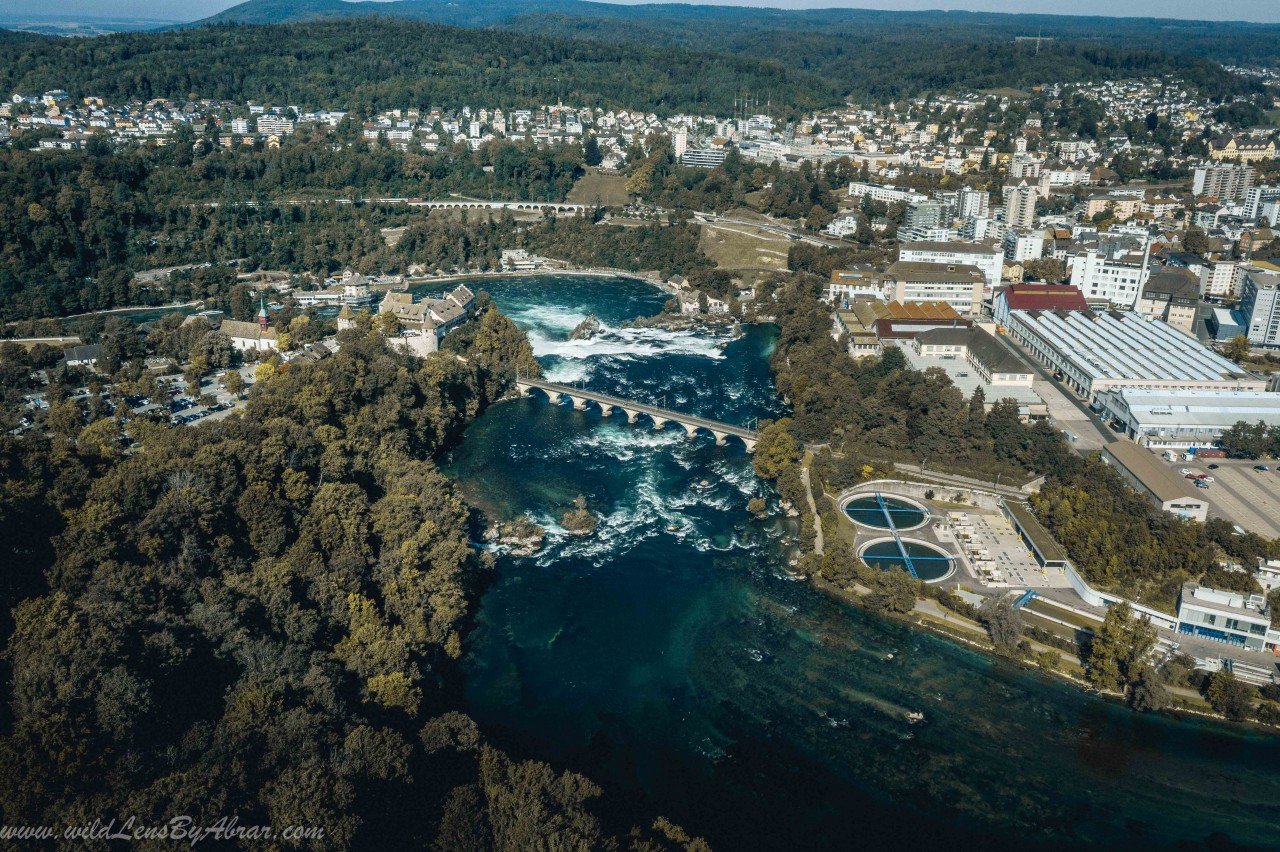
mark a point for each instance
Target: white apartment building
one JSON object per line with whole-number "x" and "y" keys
{"x": 1019, "y": 248}
{"x": 1119, "y": 282}
{"x": 987, "y": 256}
{"x": 971, "y": 203}
{"x": 1219, "y": 279}
{"x": 1020, "y": 206}
{"x": 276, "y": 124}
{"x": 1256, "y": 197}
{"x": 1260, "y": 306}
{"x": 1224, "y": 181}
{"x": 886, "y": 194}
{"x": 959, "y": 285}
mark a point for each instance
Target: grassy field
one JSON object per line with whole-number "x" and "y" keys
{"x": 735, "y": 247}
{"x": 600, "y": 190}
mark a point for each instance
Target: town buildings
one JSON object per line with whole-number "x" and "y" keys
{"x": 1223, "y": 181}
{"x": 986, "y": 256}
{"x": 424, "y": 324}
{"x": 959, "y": 285}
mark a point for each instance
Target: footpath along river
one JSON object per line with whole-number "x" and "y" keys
{"x": 671, "y": 659}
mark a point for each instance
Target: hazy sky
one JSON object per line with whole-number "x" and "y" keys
{"x": 1239, "y": 10}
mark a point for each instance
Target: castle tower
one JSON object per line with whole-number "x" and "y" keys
{"x": 346, "y": 319}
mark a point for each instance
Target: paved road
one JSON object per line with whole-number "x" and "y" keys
{"x": 1067, "y": 410}
{"x": 963, "y": 481}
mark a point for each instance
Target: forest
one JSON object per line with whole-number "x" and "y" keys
{"x": 865, "y": 53}
{"x": 262, "y": 617}
{"x": 372, "y": 64}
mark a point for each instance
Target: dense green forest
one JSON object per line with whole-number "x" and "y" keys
{"x": 368, "y": 65}
{"x": 261, "y": 617}
{"x": 81, "y": 223}
{"x": 866, "y": 53}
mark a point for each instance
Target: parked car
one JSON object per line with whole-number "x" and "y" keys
{"x": 1200, "y": 483}
{"x": 1207, "y": 479}
{"x": 1262, "y": 467}
{"x": 1192, "y": 476}
{"x": 1185, "y": 471}
{"x": 1213, "y": 467}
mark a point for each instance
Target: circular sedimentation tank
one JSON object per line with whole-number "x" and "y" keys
{"x": 931, "y": 563}
{"x": 866, "y": 509}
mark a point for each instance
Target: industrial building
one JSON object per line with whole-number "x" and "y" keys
{"x": 974, "y": 359}
{"x": 1092, "y": 351}
{"x": 1232, "y": 617}
{"x": 1037, "y": 297}
{"x": 1180, "y": 420}
{"x": 1142, "y": 470}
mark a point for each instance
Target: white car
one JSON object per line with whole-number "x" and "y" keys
{"x": 1207, "y": 479}
{"x": 1185, "y": 471}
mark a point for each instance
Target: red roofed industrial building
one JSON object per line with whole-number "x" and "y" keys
{"x": 1037, "y": 297}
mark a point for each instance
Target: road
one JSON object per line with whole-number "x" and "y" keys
{"x": 1065, "y": 408}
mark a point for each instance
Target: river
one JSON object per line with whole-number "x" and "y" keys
{"x": 671, "y": 659}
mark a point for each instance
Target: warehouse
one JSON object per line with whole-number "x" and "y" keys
{"x": 1180, "y": 420}
{"x": 1095, "y": 351}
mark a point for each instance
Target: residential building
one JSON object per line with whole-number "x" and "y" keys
{"x": 1117, "y": 281}
{"x": 1037, "y": 297}
{"x": 886, "y": 194}
{"x": 1223, "y": 181}
{"x": 1260, "y": 306}
{"x": 1232, "y": 617}
{"x": 959, "y": 285}
{"x": 1151, "y": 477}
{"x": 1180, "y": 420}
{"x": 1256, "y": 197}
{"x": 1020, "y": 206}
{"x": 984, "y": 255}
{"x": 1020, "y": 247}
{"x": 1219, "y": 280}
{"x": 972, "y": 203}
{"x": 705, "y": 158}
{"x": 1091, "y": 351}
{"x": 1173, "y": 296}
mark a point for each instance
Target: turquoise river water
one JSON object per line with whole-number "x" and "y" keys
{"x": 670, "y": 658}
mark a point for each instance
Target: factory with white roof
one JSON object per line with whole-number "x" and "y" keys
{"x": 1180, "y": 420}
{"x": 1096, "y": 351}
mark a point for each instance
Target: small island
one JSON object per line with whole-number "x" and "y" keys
{"x": 579, "y": 520}
{"x": 521, "y": 537}
{"x": 587, "y": 329}
{"x": 757, "y": 507}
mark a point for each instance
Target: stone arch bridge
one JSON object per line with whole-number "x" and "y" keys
{"x": 582, "y": 399}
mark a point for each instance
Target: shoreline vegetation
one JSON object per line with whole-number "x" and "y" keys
{"x": 201, "y": 625}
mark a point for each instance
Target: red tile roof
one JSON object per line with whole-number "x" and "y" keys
{"x": 1044, "y": 297}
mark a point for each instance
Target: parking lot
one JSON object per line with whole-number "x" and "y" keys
{"x": 1241, "y": 494}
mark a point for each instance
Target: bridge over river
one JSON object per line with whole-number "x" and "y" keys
{"x": 582, "y": 399}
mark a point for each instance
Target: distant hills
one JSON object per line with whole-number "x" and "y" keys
{"x": 807, "y": 37}
{"x": 653, "y": 57}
